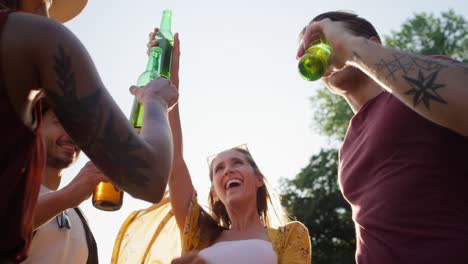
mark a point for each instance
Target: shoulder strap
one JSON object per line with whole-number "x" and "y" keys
{"x": 92, "y": 246}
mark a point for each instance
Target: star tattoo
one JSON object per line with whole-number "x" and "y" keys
{"x": 424, "y": 88}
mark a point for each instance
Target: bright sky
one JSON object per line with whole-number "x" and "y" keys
{"x": 238, "y": 78}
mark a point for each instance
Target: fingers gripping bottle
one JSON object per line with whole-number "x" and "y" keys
{"x": 314, "y": 62}
{"x": 159, "y": 65}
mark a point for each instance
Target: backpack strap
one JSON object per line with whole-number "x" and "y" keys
{"x": 92, "y": 246}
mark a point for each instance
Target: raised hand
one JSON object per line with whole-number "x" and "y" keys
{"x": 158, "y": 89}
{"x": 335, "y": 34}
{"x": 175, "y": 54}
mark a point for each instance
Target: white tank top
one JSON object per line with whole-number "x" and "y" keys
{"x": 52, "y": 244}
{"x": 240, "y": 251}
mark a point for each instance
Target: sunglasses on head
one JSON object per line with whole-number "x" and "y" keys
{"x": 212, "y": 157}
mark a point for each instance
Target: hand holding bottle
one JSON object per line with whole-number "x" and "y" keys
{"x": 152, "y": 42}
{"x": 336, "y": 35}
{"x": 82, "y": 186}
{"x": 159, "y": 64}
{"x": 160, "y": 89}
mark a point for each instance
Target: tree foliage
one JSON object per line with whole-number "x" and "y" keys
{"x": 315, "y": 199}
{"x": 331, "y": 114}
{"x": 427, "y": 34}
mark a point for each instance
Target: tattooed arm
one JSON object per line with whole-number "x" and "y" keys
{"x": 436, "y": 89}
{"x": 49, "y": 56}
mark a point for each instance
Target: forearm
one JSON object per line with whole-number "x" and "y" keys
{"x": 176, "y": 130}
{"x": 179, "y": 174}
{"x": 156, "y": 132}
{"x": 51, "y": 204}
{"x": 436, "y": 89}
{"x": 180, "y": 183}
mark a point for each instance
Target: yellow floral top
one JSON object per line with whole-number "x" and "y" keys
{"x": 151, "y": 236}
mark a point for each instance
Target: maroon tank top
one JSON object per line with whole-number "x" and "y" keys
{"x": 22, "y": 161}
{"x": 406, "y": 180}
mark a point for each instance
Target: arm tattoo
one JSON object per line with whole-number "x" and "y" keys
{"x": 420, "y": 73}
{"x": 423, "y": 89}
{"x": 104, "y": 140}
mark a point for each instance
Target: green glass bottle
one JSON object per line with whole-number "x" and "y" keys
{"x": 159, "y": 65}
{"x": 315, "y": 61}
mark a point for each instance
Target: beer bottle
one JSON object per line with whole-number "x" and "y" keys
{"x": 314, "y": 62}
{"x": 107, "y": 197}
{"x": 159, "y": 64}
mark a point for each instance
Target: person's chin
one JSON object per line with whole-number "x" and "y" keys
{"x": 67, "y": 160}
{"x": 341, "y": 81}
{"x": 333, "y": 84}
{"x": 68, "y": 154}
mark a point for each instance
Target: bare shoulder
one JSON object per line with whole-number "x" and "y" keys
{"x": 34, "y": 37}
{"x": 34, "y": 24}
{"x": 21, "y": 29}
{"x": 22, "y": 39}
{"x": 31, "y": 46}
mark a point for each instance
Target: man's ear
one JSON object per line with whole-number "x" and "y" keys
{"x": 375, "y": 39}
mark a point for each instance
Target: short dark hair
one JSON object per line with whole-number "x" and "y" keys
{"x": 358, "y": 25}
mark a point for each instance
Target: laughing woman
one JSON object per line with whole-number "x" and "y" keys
{"x": 244, "y": 224}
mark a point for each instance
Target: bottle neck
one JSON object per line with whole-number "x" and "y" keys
{"x": 165, "y": 27}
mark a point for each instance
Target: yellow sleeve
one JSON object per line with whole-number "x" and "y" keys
{"x": 191, "y": 233}
{"x": 296, "y": 244}
{"x": 148, "y": 236}
{"x": 151, "y": 235}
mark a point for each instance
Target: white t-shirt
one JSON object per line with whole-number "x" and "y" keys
{"x": 52, "y": 244}
{"x": 255, "y": 251}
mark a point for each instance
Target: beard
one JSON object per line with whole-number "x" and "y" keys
{"x": 58, "y": 160}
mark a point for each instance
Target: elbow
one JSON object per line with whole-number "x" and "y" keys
{"x": 156, "y": 176}
{"x": 155, "y": 196}
{"x": 153, "y": 191}
{"x": 461, "y": 127}
{"x": 464, "y": 131}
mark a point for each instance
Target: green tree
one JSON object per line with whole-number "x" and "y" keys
{"x": 427, "y": 34}
{"x": 331, "y": 114}
{"x": 313, "y": 196}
